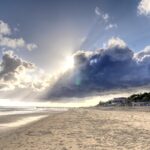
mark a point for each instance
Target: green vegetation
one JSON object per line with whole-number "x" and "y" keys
{"x": 145, "y": 97}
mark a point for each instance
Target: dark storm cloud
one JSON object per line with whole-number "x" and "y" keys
{"x": 12, "y": 65}
{"x": 115, "y": 67}
{"x": 13, "y": 70}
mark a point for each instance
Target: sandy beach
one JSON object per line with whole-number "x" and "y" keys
{"x": 83, "y": 129}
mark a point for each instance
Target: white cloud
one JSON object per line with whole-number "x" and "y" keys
{"x": 116, "y": 42}
{"x": 31, "y": 46}
{"x": 144, "y": 53}
{"x": 97, "y": 11}
{"x": 144, "y": 7}
{"x": 104, "y": 16}
{"x": 13, "y": 43}
{"x": 111, "y": 26}
{"x": 14, "y": 71}
{"x": 4, "y": 28}
{"x": 18, "y": 73}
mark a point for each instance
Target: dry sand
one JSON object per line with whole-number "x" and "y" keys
{"x": 83, "y": 129}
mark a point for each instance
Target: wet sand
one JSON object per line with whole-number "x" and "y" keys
{"x": 12, "y": 118}
{"x": 83, "y": 129}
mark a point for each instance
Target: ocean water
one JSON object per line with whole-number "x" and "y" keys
{"x": 12, "y": 117}
{"x": 27, "y": 110}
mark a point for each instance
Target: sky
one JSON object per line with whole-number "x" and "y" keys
{"x": 54, "y": 50}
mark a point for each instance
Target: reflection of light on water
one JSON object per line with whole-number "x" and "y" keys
{"x": 4, "y": 111}
{"x": 14, "y": 112}
{"x": 22, "y": 121}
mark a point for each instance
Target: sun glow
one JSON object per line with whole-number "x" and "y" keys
{"x": 68, "y": 63}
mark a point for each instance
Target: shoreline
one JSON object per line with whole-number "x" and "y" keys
{"x": 13, "y": 120}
